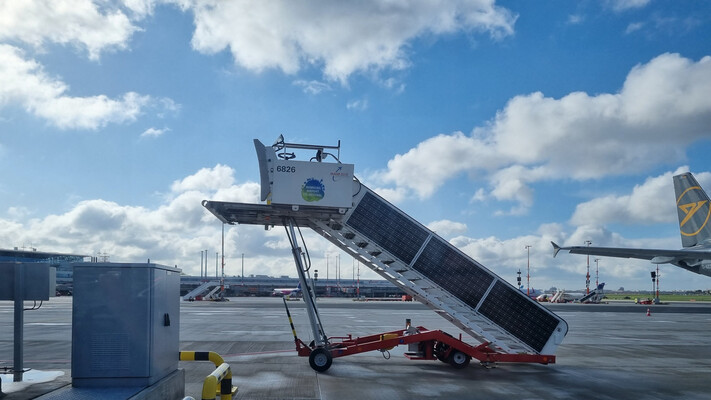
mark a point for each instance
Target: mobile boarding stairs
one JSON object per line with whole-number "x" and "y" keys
{"x": 328, "y": 198}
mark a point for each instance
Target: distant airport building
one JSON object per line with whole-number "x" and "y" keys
{"x": 235, "y": 286}
{"x": 62, "y": 261}
{"x": 263, "y": 285}
{"x": 255, "y": 285}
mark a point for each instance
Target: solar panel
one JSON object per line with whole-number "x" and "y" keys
{"x": 384, "y": 225}
{"x": 456, "y": 273}
{"x": 519, "y": 316}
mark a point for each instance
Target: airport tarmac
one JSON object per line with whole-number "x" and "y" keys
{"x": 611, "y": 351}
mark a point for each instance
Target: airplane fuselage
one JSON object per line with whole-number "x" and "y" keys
{"x": 702, "y": 267}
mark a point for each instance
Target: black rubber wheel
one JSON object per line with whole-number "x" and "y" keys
{"x": 458, "y": 359}
{"x": 440, "y": 350}
{"x": 320, "y": 359}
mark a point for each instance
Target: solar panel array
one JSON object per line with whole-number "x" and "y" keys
{"x": 446, "y": 266}
{"x": 454, "y": 271}
{"x": 378, "y": 221}
{"x": 519, "y": 316}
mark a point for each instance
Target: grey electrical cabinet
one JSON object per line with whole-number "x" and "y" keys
{"x": 125, "y": 324}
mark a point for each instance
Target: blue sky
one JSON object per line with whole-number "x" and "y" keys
{"x": 498, "y": 124}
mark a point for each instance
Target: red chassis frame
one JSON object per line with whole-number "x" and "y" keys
{"x": 341, "y": 346}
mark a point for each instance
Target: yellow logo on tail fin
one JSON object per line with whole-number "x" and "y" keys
{"x": 689, "y": 210}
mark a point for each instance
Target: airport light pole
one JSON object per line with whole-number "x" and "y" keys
{"x": 518, "y": 279}
{"x": 358, "y": 282}
{"x": 328, "y": 288}
{"x": 222, "y": 250}
{"x": 528, "y": 268}
{"x": 314, "y": 282}
{"x": 587, "y": 276}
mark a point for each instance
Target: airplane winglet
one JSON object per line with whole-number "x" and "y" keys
{"x": 556, "y": 249}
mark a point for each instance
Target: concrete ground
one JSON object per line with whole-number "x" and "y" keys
{"x": 611, "y": 351}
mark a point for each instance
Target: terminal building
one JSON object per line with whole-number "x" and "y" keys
{"x": 61, "y": 261}
{"x": 260, "y": 285}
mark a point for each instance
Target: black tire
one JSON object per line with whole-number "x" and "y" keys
{"x": 440, "y": 350}
{"x": 458, "y": 359}
{"x": 320, "y": 359}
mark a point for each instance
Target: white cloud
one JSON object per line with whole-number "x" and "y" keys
{"x": 168, "y": 105}
{"x": 447, "y": 228}
{"x": 479, "y": 195}
{"x": 425, "y": 167}
{"x": 648, "y": 203}
{"x": 140, "y": 8}
{"x": 658, "y": 26}
{"x": 394, "y": 196}
{"x": 512, "y": 184}
{"x": 172, "y": 233}
{"x": 357, "y": 105}
{"x": 624, "y": 5}
{"x": 154, "y": 132}
{"x": 575, "y": 19}
{"x": 24, "y": 82}
{"x": 96, "y": 26}
{"x": 634, "y": 27}
{"x": 312, "y": 87}
{"x": 219, "y": 177}
{"x": 393, "y": 84}
{"x": 89, "y": 112}
{"x": 288, "y": 35}
{"x": 16, "y": 213}
{"x": 661, "y": 108}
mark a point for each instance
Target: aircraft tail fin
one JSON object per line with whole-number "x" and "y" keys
{"x": 694, "y": 210}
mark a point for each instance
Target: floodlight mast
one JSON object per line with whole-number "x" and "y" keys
{"x": 528, "y": 269}
{"x": 587, "y": 275}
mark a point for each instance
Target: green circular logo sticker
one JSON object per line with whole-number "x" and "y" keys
{"x": 312, "y": 190}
